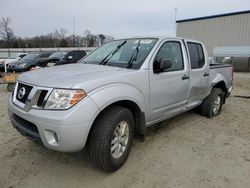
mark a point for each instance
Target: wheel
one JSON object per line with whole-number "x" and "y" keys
{"x": 111, "y": 138}
{"x": 212, "y": 105}
{"x": 11, "y": 87}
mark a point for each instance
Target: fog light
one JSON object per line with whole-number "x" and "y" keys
{"x": 56, "y": 137}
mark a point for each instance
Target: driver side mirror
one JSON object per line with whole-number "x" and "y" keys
{"x": 161, "y": 65}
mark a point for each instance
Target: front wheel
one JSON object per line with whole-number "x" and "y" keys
{"x": 111, "y": 138}
{"x": 212, "y": 105}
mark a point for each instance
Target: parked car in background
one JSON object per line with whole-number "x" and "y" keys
{"x": 5, "y": 62}
{"x": 61, "y": 58}
{"x": 28, "y": 62}
{"x": 114, "y": 93}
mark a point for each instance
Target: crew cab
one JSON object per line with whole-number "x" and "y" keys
{"x": 114, "y": 93}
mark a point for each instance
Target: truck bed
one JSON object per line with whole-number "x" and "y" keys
{"x": 217, "y": 66}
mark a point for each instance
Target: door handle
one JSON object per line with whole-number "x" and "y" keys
{"x": 185, "y": 77}
{"x": 206, "y": 74}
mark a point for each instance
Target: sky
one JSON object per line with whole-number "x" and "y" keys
{"x": 117, "y": 18}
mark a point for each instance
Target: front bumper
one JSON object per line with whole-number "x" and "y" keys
{"x": 65, "y": 130}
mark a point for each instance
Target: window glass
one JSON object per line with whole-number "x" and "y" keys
{"x": 129, "y": 53}
{"x": 171, "y": 51}
{"x": 201, "y": 55}
{"x": 196, "y": 55}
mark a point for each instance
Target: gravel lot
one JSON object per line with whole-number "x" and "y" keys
{"x": 185, "y": 151}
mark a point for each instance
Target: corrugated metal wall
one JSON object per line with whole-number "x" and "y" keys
{"x": 231, "y": 30}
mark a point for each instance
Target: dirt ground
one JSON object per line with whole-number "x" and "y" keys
{"x": 186, "y": 151}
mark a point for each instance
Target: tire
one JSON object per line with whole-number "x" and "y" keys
{"x": 103, "y": 136}
{"x": 211, "y": 106}
{"x": 10, "y": 87}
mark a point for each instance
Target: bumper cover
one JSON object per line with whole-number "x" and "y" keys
{"x": 65, "y": 130}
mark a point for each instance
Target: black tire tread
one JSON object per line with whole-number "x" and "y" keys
{"x": 98, "y": 140}
{"x": 207, "y": 104}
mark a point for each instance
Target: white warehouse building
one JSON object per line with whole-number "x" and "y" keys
{"x": 224, "y": 30}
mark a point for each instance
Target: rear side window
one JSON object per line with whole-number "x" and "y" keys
{"x": 196, "y": 53}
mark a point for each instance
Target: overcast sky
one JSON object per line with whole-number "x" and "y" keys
{"x": 118, "y": 18}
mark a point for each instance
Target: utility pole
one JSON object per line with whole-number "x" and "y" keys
{"x": 74, "y": 32}
{"x": 175, "y": 18}
{"x": 73, "y": 25}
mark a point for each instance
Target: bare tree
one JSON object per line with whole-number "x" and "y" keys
{"x": 87, "y": 33}
{"x": 63, "y": 33}
{"x": 6, "y": 33}
{"x": 60, "y": 34}
{"x": 102, "y": 38}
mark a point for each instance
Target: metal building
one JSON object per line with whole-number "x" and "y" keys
{"x": 224, "y": 30}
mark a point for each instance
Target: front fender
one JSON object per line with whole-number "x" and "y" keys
{"x": 108, "y": 94}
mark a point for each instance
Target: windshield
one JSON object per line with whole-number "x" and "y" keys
{"x": 58, "y": 55}
{"x": 129, "y": 53}
{"x": 32, "y": 56}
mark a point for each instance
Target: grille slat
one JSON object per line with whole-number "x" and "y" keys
{"x": 41, "y": 102}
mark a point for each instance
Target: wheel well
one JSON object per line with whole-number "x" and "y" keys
{"x": 222, "y": 86}
{"x": 139, "y": 116}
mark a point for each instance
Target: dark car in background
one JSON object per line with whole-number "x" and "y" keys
{"x": 28, "y": 62}
{"x": 61, "y": 58}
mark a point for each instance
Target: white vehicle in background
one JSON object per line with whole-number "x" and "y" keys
{"x": 5, "y": 62}
{"x": 211, "y": 60}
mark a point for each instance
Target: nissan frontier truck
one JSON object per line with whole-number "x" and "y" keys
{"x": 114, "y": 93}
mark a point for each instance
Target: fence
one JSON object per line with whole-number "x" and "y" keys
{"x": 5, "y": 53}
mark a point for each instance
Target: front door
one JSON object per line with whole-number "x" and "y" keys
{"x": 169, "y": 88}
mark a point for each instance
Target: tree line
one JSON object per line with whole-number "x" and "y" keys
{"x": 58, "y": 38}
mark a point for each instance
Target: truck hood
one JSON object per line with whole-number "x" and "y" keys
{"x": 72, "y": 76}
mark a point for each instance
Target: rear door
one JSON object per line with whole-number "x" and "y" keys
{"x": 169, "y": 89}
{"x": 199, "y": 72}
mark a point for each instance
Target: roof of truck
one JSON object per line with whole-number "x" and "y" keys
{"x": 161, "y": 38}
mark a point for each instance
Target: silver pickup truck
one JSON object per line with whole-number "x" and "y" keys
{"x": 114, "y": 93}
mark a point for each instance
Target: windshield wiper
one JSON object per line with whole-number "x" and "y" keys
{"x": 134, "y": 55}
{"x": 108, "y": 57}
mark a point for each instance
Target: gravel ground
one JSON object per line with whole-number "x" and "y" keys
{"x": 185, "y": 151}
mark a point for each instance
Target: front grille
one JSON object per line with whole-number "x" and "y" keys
{"x": 26, "y": 91}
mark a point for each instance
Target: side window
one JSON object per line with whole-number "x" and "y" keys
{"x": 44, "y": 55}
{"x": 196, "y": 55}
{"x": 73, "y": 56}
{"x": 171, "y": 51}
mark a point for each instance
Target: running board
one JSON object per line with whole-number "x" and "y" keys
{"x": 193, "y": 104}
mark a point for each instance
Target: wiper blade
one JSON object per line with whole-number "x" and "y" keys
{"x": 134, "y": 55}
{"x": 107, "y": 58}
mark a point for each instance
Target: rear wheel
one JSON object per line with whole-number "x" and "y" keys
{"x": 111, "y": 138}
{"x": 212, "y": 105}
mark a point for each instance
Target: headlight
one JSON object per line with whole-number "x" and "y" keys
{"x": 22, "y": 65}
{"x": 62, "y": 99}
